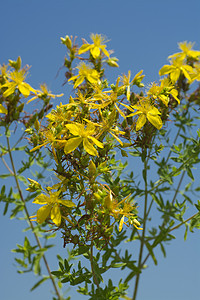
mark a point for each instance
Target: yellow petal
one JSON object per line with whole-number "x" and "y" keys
{"x": 166, "y": 69}
{"x": 99, "y": 144}
{"x": 104, "y": 50}
{"x": 175, "y": 75}
{"x": 43, "y": 213}
{"x": 10, "y": 90}
{"x": 38, "y": 147}
{"x": 3, "y": 110}
{"x": 78, "y": 81}
{"x": 56, "y": 215}
{"x": 41, "y": 199}
{"x": 95, "y": 52}
{"x": 75, "y": 129}
{"x": 117, "y": 138}
{"x": 84, "y": 48}
{"x": 121, "y": 224}
{"x": 89, "y": 148}
{"x": 73, "y": 78}
{"x": 67, "y": 203}
{"x": 72, "y": 144}
{"x": 155, "y": 120}
{"x": 186, "y": 73}
{"x": 140, "y": 122}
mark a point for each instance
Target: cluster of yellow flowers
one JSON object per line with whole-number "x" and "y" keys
{"x": 95, "y": 112}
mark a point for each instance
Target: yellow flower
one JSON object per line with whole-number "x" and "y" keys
{"x": 186, "y": 51}
{"x": 51, "y": 207}
{"x": 107, "y": 126}
{"x": 17, "y": 81}
{"x": 163, "y": 91}
{"x": 109, "y": 98}
{"x": 43, "y": 93}
{"x": 123, "y": 208}
{"x": 146, "y": 112}
{"x": 83, "y": 135}
{"x": 96, "y": 48}
{"x": 85, "y": 72}
{"x": 177, "y": 67}
{"x": 135, "y": 81}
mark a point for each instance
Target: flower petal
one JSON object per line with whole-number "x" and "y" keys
{"x": 42, "y": 199}
{"x": 56, "y": 215}
{"x": 99, "y": 144}
{"x": 43, "y": 213}
{"x": 84, "y": 48}
{"x": 72, "y": 144}
{"x": 140, "y": 122}
{"x": 95, "y": 52}
{"x": 67, "y": 203}
{"x": 75, "y": 129}
{"x": 89, "y": 148}
{"x": 155, "y": 120}
{"x": 121, "y": 224}
{"x": 3, "y": 110}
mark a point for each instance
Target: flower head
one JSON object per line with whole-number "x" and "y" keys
{"x": 96, "y": 47}
{"x": 51, "y": 207}
{"x": 163, "y": 91}
{"x": 82, "y": 135}
{"x": 85, "y": 72}
{"x": 17, "y": 81}
{"x": 187, "y": 51}
{"x": 146, "y": 111}
{"x": 177, "y": 67}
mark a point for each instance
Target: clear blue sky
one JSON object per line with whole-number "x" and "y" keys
{"x": 143, "y": 34}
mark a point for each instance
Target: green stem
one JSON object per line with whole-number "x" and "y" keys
{"x": 92, "y": 266}
{"x": 142, "y": 240}
{"x": 179, "y": 225}
{"x": 28, "y": 219}
{"x": 173, "y": 228}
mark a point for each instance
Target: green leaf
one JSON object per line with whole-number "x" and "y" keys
{"x": 151, "y": 252}
{"x": 39, "y": 282}
{"x": 163, "y": 249}
{"x": 189, "y": 172}
{"x": 130, "y": 276}
{"x": 118, "y": 265}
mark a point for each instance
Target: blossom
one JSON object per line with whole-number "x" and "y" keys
{"x": 121, "y": 209}
{"x": 135, "y": 81}
{"x": 163, "y": 91}
{"x": 85, "y": 72}
{"x": 177, "y": 67}
{"x": 82, "y": 135}
{"x": 43, "y": 93}
{"x": 146, "y": 112}
{"x": 186, "y": 51}
{"x": 96, "y": 47}
{"x": 51, "y": 207}
{"x": 107, "y": 126}
{"x": 17, "y": 81}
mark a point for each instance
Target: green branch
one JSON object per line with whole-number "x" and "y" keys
{"x": 28, "y": 219}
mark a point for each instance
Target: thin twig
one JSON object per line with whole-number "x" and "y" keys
{"x": 28, "y": 220}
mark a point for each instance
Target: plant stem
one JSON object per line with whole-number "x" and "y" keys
{"x": 179, "y": 225}
{"x": 28, "y": 219}
{"x": 142, "y": 240}
{"x": 92, "y": 265}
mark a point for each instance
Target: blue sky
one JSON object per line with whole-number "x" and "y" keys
{"x": 142, "y": 34}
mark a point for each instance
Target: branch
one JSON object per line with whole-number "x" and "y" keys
{"x": 28, "y": 219}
